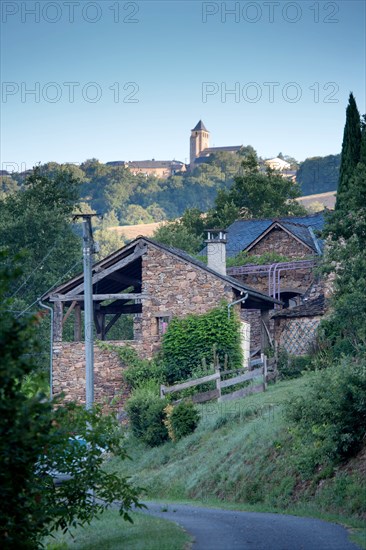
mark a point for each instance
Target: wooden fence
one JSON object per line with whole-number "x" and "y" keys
{"x": 258, "y": 367}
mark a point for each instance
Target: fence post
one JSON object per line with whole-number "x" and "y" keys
{"x": 218, "y": 381}
{"x": 265, "y": 372}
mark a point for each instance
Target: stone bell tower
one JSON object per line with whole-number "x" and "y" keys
{"x": 198, "y": 142}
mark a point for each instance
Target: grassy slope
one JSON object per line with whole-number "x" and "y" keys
{"x": 241, "y": 454}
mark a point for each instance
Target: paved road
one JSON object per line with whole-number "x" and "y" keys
{"x": 214, "y": 529}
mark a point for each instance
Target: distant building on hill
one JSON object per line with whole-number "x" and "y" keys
{"x": 278, "y": 164}
{"x": 281, "y": 166}
{"x": 199, "y": 146}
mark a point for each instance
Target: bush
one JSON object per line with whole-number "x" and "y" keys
{"x": 328, "y": 421}
{"x": 181, "y": 420}
{"x": 292, "y": 366}
{"x": 146, "y": 414}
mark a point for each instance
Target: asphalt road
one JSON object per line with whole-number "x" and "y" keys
{"x": 214, "y": 529}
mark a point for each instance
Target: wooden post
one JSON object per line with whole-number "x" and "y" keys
{"x": 265, "y": 372}
{"x": 264, "y": 334}
{"x": 77, "y": 323}
{"x": 218, "y": 382}
{"x": 99, "y": 319}
{"x": 57, "y": 322}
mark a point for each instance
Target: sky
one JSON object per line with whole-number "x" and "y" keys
{"x": 126, "y": 80}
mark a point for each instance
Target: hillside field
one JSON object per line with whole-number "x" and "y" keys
{"x": 241, "y": 457}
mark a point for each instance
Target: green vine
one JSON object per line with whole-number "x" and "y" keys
{"x": 191, "y": 340}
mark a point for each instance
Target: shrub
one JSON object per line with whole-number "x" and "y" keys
{"x": 146, "y": 414}
{"x": 292, "y": 366}
{"x": 328, "y": 421}
{"x": 191, "y": 340}
{"x": 181, "y": 420}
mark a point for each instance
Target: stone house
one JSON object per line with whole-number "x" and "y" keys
{"x": 294, "y": 238}
{"x": 152, "y": 282}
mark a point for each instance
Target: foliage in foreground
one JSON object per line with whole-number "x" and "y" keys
{"x": 328, "y": 421}
{"x": 35, "y": 444}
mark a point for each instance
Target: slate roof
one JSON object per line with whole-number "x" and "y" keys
{"x": 258, "y": 298}
{"x": 242, "y": 233}
{"x": 310, "y": 308}
{"x": 200, "y": 126}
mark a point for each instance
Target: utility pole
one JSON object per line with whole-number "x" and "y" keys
{"x": 88, "y": 251}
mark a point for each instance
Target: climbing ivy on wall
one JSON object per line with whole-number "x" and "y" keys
{"x": 191, "y": 340}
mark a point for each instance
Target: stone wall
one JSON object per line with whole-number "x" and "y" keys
{"x": 175, "y": 288}
{"x": 69, "y": 374}
{"x": 282, "y": 243}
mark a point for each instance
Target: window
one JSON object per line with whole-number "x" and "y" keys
{"x": 162, "y": 324}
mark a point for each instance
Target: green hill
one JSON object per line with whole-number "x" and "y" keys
{"x": 241, "y": 456}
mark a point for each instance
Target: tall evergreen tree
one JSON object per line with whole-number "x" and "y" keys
{"x": 351, "y": 148}
{"x": 345, "y": 231}
{"x": 363, "y": 140}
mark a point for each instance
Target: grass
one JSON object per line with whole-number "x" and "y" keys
{"x": 241, "y": 456}
{"x": 111, "y": 532}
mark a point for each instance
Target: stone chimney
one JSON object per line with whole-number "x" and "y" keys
{"x": 216, "y": 250}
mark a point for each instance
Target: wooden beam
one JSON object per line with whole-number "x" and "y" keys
{"x": 131, "y": 308}
{"x": 77, "y": 323}
{"x": 112, "y": 322}
{"x": 68, "y": 312}
{"x": 97, "y": 297}
{"x": 101, "y": 274}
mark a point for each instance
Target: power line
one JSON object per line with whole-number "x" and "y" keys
{"x": 51, "y": 287}
{"x": 35, "y": 269}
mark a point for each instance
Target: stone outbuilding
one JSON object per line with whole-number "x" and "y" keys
{"x": 152, "y": 282}
{"x": 295, "y": 328}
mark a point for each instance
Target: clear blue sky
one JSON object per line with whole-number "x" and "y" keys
{"x": 313, "y": 51}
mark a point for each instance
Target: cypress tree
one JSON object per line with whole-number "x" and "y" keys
{"x": 363, "y": 140}
{"x": 351, "y": 149}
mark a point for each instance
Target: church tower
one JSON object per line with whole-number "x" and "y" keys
{"x": 198, "y": 142}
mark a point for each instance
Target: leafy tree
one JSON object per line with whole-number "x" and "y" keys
{"x": 256, "y": 194}
{"x": 7, "y": 185}
{"x": 177, "y": 235}
{"x": 136, "y": 214}
{"x": 351, "y": 149}
{"x": 318, "y": 174}
{"x": 37, "y": 221}
{"x": 35, "y": 439}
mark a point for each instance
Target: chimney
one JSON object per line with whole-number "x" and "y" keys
{"x": 216, "y": 250}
